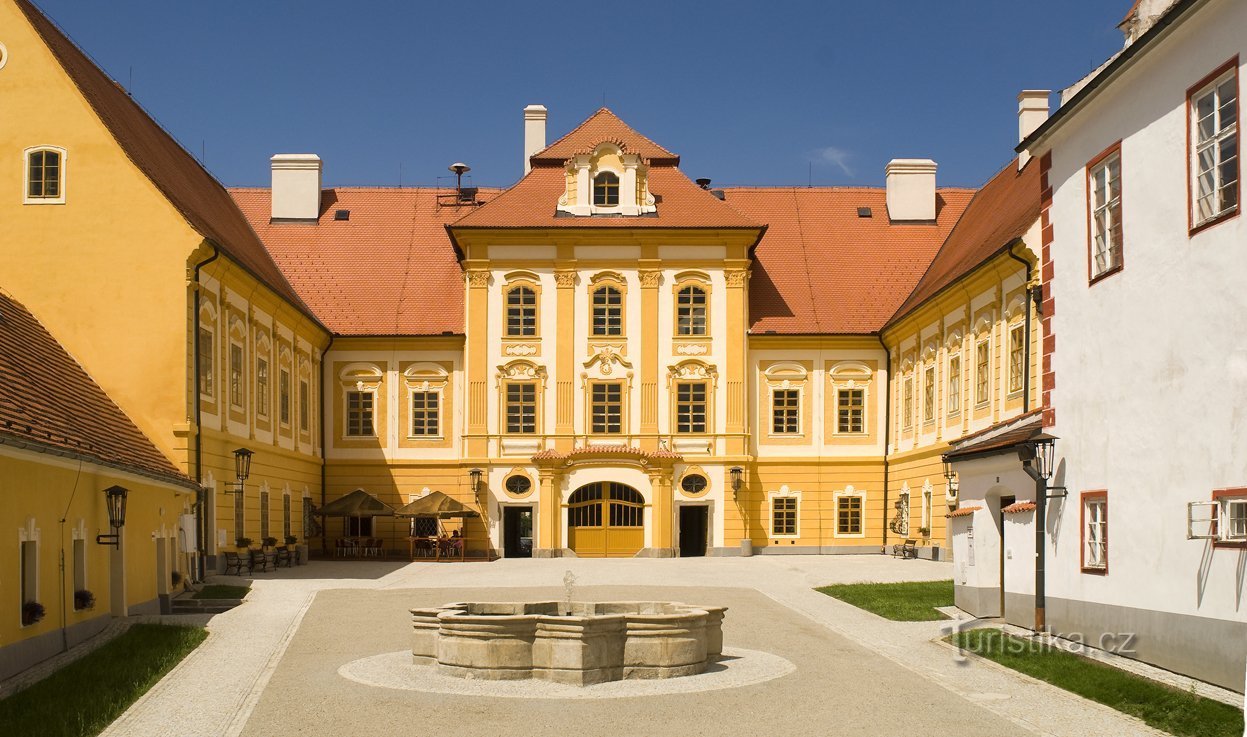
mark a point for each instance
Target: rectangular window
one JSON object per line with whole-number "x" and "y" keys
{"x": 284, "y": 398}
{"x": 1095, "y": 531}
{"x": 261, "y": 388}
{"x": 263, "y": 516}
{"x": 783, "y": 515}
{"x": 80, "y": 566}
{"x": 690, "y": 408}
{"x": 1017, "y": 358}
{"x": 424, "y": 414}
{"x": 30, "y": 571}
{"x": 850, "y": 410}
{"x": 305, "y": 421}
{"x": 359, "y": 413}
{"x": 607, "y": 311}
{"x": 205, "y": 362}
{"x": 521, "y": 312}
{"x": 43, "y": 172}
{"x": 1214, "y": 147}
{"x": 285, "y": 516}
{"x": 1235, "y": 516}
{"x": 785, "y": 411}
{"x": 849, "y": 515}
{"x": 1104, "y": 204}
{"x": 235, "y": 375}
{"x": 522, "y": 408}
{"x": 690, "y": 306}
{"x": 358, "y": 526}
{"x": 606, "y": 405}
{"x": 907, "y": 403}
{"x": 982, "y": 371}
{"x": 953, "y": 397}
{"x": 928, "y": 394}
{"x": 240, "y": 515}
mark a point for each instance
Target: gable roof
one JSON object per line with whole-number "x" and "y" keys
{"x": 50, "y": 404}
{"x": 195, "y": 193}
{"x": 603, "y": 125}
{"x": 388, "y": 270}
{"x": 1000, "y": 213}
{"x": 822, "y": 269}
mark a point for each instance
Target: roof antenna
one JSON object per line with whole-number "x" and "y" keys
{"x": 810, "y": 182}
{"x": 400, "y": 175}
{"x": 202, "y": 148}
{"x": 130, "y": 84}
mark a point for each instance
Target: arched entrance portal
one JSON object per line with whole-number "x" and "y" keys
{"x": 606, "y": 520}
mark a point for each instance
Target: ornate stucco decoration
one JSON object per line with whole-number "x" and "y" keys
{"x": 736, "y": 277}
{"x": 521, "y": 349}
{"x": 606, "y": 357}
{"x": 565, "y": 278}
{"x": 630, "y": 171}
{"x": 692, "y": 370}
{"x": 650, "y": 278}
{"x": 478, "y": 278}
{"x": 615, "y": 454}
{"x": 692, "y": 349}
{"x": 521, "y": 370}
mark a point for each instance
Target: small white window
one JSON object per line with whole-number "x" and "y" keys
{"x": 1095, "y": 531}
{"x": 1235, "y": 520}
{"x": 1214, "y": 148}
{"x": 1104, "y": 200}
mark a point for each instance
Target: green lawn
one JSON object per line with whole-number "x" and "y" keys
{"x": 1162, "y": 707}
{"x": 911, "y": 601}
{"x": 222, "y": 591}
{"x": 82, "y": 698}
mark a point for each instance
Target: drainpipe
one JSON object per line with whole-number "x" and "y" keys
{"x": 1026, "y": 346}
{"x": 324, "y": 471}
{"x": 887, "y": 435}
{"x": 201, "y": 524}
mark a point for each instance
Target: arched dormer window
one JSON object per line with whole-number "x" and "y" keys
{"x": 607, "y": 311}
{"x": 521, "y": 312}
{"x": 691, "y": 311}
{"x": 606, "y": 189}
{"x": 45, "y": 175}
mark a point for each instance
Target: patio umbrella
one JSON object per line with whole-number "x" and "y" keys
{"x": 358, "y": 503}
{"x": 435, "y": 504}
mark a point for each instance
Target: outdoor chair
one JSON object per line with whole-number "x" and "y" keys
{"x": 235, "y": 562}
{"x": 259, "y": 560}
{"x": 283, "y": 555}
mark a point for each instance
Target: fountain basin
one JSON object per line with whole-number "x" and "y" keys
{"x": 578, "y": 643}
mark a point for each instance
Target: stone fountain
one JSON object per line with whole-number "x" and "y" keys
{"x": 570, "y": 642}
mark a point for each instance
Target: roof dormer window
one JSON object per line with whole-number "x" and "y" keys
{"x": 606, "y": 190}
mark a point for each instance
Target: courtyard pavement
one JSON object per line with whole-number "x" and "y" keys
{"x": 270, "y": 666}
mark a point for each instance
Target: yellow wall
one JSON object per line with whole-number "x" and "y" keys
{"x": 38, "y": 490}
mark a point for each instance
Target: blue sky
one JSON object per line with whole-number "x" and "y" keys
{"x": 746, "y": 92}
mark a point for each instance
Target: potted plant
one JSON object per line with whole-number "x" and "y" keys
{"x": 270, "y": 542}
{"x": 924, "y": 531}
{"x": 84, "y": 599}
{"x": 243, "y": 543}
{"x": 291, "y": 539}
{"x": 32, "y": 612}
{"x": 176, "y": 579}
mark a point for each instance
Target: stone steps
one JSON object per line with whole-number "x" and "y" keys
{"x": 187, "y": 605}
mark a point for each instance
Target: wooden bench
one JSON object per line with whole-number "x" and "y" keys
{"x": 907, "y": 549}
{"x": 236, "y": 562}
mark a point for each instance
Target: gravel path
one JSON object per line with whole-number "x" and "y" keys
{"x": 216, "y": 689}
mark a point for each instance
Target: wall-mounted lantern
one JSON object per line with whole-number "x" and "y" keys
{"x": 115, "y": 499}
{"x": 738, "y": 478}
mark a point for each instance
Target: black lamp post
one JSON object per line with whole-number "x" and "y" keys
{"x": 1037, "y": 457}
{"x": 115, "y": 499}
{"x": 242, "y": 464}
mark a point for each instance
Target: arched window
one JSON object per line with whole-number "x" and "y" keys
{"x": 607, "y": 311}
{"x": 606, "y": 189}
{"x": 691, "y": 311}
{"x": 521, "y": 312}
{"x": 45, "y": 175}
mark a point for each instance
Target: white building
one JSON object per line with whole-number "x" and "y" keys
{"x": 1144, "y": 367}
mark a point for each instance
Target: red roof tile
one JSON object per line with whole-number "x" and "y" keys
{"x": 822, "y": 269}
{"x": 963, "y": 512}
{"x": 999, "y": 438}
{"x": 603, "y": 125}
{"x": 388, "y": 270}
{"x": 532, "y": 203}
{"x": 196, "y": 194}
{"x": 1018, "y": 507}
{"x": 1000, "y": 213}
{"x": 48, "y": 401}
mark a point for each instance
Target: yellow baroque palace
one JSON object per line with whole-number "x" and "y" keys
{"x": 604, "y": 359}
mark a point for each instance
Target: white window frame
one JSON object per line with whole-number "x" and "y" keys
{"x": 1226, "y": 532}
{"x": 1220, "y": 135}
{"x": 1018, "y": 330}
{"x": 983, "y": 401}
{"x": 907, "y": 402}
{"x": 1093, "y": 540}
{"x": 954, "y": 385}
{"x": 849, "y": 491}
{"x": 1104, "y": 204}
{"x": 929, "y": 372}
{"x": 783, "y": 493}
{"x": 865, "y": 414}
{"x": 64, "y": 183}
{"x": 237, "y": 384}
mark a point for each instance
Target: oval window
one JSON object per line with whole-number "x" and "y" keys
{"x": 693, "y": 484}
{"x": 518, "y": 485}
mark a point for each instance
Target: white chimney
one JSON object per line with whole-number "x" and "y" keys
{"x": 911, "y": 190}
{"x": 534, "y": 132}
{"x": 1032, "y": 112}
{"x": 296, "y": 186}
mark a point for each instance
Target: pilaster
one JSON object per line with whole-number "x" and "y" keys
{"x": 565, "y": 361}
{"x": 650, "y": 279}
{"x": 734, "y": 379}
{"x": 477, "y": 363}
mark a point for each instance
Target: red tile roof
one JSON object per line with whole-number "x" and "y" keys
{"x": 963, "y": 512}
{"x": 999, "y": 438}
{"x": 388, "y": 270}
{"x": 603, "y": 125}
{"x": 49, "y": 403}
{"x": 1000, "y": 213}
{"x": 189, "y": 187}
{"x": 1018, "y": 507}
{"x": 532, "y": 202}
{"x": 822, "y": 269}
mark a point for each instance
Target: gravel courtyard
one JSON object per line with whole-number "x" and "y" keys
{"x": 272, "y": 665}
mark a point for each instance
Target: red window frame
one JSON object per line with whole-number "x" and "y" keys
{"x": 1099, "y": 158}
{"x": 1192, "y": 228}
{"x": 1082, "y": 531}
